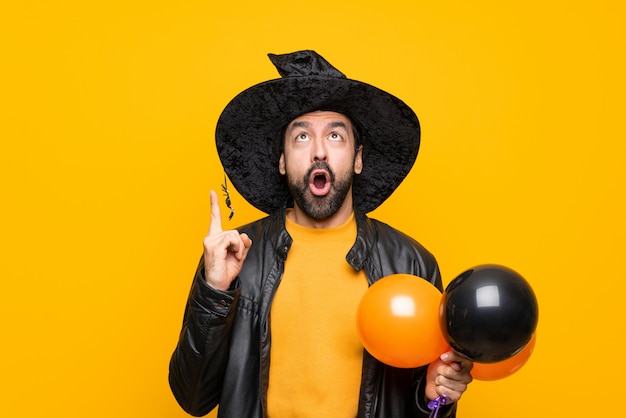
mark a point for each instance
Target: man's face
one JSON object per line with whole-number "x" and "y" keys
{"x": 320, "y": 161}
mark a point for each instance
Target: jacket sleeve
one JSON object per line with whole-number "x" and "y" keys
{"x": 198, "y": 364}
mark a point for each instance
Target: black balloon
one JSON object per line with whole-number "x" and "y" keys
{"x": 489, "y": 313}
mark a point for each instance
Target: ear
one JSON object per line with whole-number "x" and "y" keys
{"x": 281, "y": 164}
{"x": 358, "y": 160}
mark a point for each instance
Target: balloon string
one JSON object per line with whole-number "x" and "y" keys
{"x": 436, "y": 403}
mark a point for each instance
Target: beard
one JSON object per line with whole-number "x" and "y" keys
{"x": 315, "y": 207}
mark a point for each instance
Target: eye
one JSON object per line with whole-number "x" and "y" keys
{"x": 302, "y": 137}
{"x": 334, "y": 136}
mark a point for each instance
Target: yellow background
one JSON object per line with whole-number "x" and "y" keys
{"x": 107, "y": 116}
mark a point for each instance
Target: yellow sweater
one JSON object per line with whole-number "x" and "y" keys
{"x": 316, "y": 354}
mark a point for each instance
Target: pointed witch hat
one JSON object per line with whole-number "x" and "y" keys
{"x": 249, "y": 130}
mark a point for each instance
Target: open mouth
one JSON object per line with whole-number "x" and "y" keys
{"x": 319, "y": 182}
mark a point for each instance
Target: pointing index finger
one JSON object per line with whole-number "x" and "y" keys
{"x": 216, "y": 217}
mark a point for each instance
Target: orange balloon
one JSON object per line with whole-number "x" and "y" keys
{"x": 398, "y": 321}
{"x": 505, "y": 368}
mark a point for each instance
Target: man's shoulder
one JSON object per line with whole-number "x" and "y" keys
{"x": 256, "y": 225}
{"x": 383, "y": 227}
{"x": 398, "y": 252}
{"x": 388, "y": 235}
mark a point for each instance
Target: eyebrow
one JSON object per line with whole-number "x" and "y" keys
{"x": 330, "y": 125}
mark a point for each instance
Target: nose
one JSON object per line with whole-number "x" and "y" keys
{"x": 319, "y": 152}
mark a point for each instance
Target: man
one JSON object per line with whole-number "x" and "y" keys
{"x": 269, "y": 328}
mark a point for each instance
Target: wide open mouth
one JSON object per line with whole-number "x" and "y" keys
{"x": 319, "y": 182}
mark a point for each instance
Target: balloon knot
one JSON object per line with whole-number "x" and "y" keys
{"x": 436, "y": 403}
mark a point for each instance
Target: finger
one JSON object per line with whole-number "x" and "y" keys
{"x": 216, "y": 217}
{"x": 462, "y": 364}
{"x": 454, "y": 381}
{"x": 453, "y": 395}
{"x": 452, "y": 385}
{"x": 238, "y": 244}
{"x": 455, "y": 357}
{"x": 246, "y": 243}
{"x": 449, "y": 376}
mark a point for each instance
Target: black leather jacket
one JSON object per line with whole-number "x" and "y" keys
{"x": 222, "y": 356}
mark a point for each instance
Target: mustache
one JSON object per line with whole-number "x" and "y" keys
{"x": 319, "y": 165}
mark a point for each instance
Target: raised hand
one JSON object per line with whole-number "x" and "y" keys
{"x": 224, "y": 251}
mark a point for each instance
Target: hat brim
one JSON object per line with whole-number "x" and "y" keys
{"x": 251, "y": 124}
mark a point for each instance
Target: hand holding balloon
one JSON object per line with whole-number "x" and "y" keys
{"x": 448, "y": 376}
{"x": 398, "y": 322}
{"x": 488, "y": 314}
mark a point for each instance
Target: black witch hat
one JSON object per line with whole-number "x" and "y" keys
{"x": 250, "y": 128}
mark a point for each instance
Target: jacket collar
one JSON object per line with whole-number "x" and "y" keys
{"x": 360, "y": 251}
